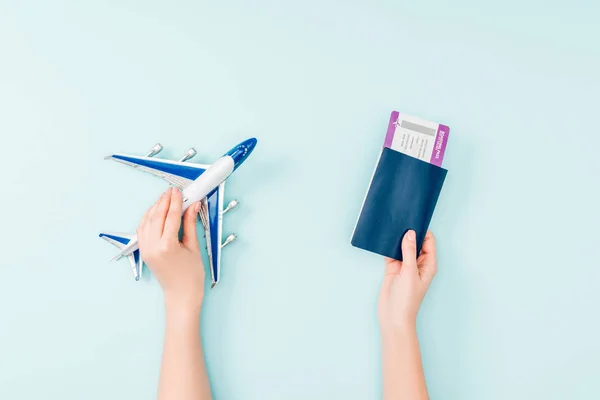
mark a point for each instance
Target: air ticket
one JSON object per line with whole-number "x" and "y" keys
{"x": 417, "y": 138}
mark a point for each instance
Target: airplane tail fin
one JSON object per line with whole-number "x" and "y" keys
{"x": 126, "y": 243}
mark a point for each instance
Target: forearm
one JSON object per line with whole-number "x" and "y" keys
{"x": 403, "y": 376}
{"x": 183, "y": 371}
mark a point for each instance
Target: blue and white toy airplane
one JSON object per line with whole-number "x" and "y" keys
{"x": 199, "y": 183}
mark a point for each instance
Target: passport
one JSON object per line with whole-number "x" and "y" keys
{"x": 402, "y": 195}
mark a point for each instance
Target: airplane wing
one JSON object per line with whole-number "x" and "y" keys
{"x": 181, "y": 174}
{"x": 121, "y": 240}
{"x": 177, "y": 173}
{"x": 211, "y": 216}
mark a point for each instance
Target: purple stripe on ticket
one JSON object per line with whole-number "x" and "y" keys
{"x": 391, "y": 129}
{"x": 440, "y": 145}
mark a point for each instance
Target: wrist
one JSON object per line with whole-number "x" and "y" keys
{"x": 183, "y": 306}
{"x": 398, "y": 329}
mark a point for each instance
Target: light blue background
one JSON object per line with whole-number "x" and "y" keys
{"x": 513, "y": 312}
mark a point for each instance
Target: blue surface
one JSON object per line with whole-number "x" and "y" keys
{"x": 512, "y": 313}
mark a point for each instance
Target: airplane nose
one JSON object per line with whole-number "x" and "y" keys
{"x": 240, "y": 152}
{"x": 250, "y": 144}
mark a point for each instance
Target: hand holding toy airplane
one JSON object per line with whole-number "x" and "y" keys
{"x": 199, "y": 183}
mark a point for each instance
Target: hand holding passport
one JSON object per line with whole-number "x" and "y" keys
{"x": 405, "y": 186}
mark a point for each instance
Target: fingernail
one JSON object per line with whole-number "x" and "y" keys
{"x": 411, "y": 236}
{"x": 197, "y": 207}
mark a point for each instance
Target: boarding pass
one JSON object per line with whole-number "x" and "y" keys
{"x": 417, "y": 138}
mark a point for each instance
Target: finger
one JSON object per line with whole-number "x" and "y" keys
{"x": 428, "y": 259}
{"x": 152, "y": 209}
{"x": 154, "y": 217}
{"x": 173, "y": 215}
{"x": 428, "y": 269}
{"x": 141, "y": 230}
{"x": 158, "y": 222}
{"x": 148, "y": 222}
{"x": 409, "y": 252}
{"x": 144, "y": 220}
{"x": 428, "y": 244}
{"x": 143, "y": 223}
{"x": 190, "y": 237}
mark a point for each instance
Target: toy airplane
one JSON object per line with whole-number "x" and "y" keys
{"x": 199, "y": 183}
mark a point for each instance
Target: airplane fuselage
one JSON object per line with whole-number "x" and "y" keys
{"x": 216, "y": 174}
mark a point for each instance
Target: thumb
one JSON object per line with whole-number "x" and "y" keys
{"x": 409, "y": 252}
{"x": 190, "y": 237}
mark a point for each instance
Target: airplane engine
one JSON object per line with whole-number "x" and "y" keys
{"x": 191, "y": 153}
{"x": 229, "y": 239}
{"x": 155, "y": 150}
{"x": 232, "y": 204}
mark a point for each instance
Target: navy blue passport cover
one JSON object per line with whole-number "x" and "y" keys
{"x": 402, "y": 196}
